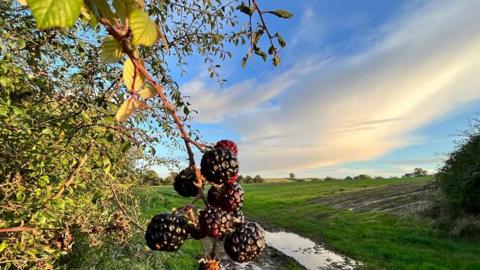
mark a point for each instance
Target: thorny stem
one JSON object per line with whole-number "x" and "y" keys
{"x": 120, "y": 204}
{"x": 17, "y": 229}
{"x": 123, "y": 40}
{"x": 264, "y": 24}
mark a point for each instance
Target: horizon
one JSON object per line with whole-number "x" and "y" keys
{"x": 363, "y": 88}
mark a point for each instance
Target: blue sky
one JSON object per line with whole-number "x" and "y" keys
{"x": 376, "y": 87}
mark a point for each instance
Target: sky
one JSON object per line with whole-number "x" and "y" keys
{"x": 365, "y": 87}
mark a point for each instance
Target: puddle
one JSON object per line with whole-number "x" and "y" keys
{"x": 312, "y": 256}
{"x": 303, "y": 250}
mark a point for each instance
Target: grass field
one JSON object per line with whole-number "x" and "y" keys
{"x": 379, "y": 240}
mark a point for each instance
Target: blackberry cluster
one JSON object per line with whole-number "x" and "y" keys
{"x": 215, "y": 222}
{"x": 246, "y": 243}
{"x": 222, "y": 218}
{"x": 220, "y": 166}
{"x": 227, "y": 197}
{"x": 166, "y": 232}
{"x": 185, "y": 183}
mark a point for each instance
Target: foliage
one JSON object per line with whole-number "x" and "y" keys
{"x": 459, "y": 178}
{"x": 291, "y": 176}
{"x": 258, "y": 179}
{"x": 67, "y": 165}
{"x": 417, "y": 172}
{"x": 362, "y": 177}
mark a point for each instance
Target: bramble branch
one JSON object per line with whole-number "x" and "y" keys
{"x": 122, "y": 38}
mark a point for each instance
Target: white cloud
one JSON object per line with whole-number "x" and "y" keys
{"x": 359, "y": 107}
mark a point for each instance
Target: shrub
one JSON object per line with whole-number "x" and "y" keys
{"x": 459, "y": 178}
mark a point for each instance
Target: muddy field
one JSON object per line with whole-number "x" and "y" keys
{"x": 398, "y": 198}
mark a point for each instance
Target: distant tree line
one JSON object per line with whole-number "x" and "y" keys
{"x": 250, "y": 180}
{"x": 151, "y": 178}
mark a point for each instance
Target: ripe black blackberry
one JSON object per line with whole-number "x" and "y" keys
{"x": 196, "y": 232}
{"x": 185, "y": 183}
{"x": 246, "y": 243}
{"x": 166, "y": 232}
{"x": 220, "y": 166}
{"x": 205, "y": 264}
{"x": 228, "y": 145}
{"x": 215, "y": 222}
{"x": 227, "y": 197}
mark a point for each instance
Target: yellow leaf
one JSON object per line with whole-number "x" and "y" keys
{"x": 147, "y": 92}
{"x": 125, "y": 111}
{"x": 22, "y": 2}
{"x": 143, "y": 28}
{"x": 55, "y": 13}
{"x": 111, "y": 51}
{"x": 140, "y": 105}
{"x": 132, "y": 77}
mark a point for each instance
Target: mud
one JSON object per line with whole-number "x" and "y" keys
{"x": 401, "y": 198}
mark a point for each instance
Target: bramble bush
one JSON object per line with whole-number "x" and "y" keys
{"x": 86, "y": 96}
{"x": 459, "y": 178}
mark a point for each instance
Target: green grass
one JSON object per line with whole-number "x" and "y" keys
{"x": 380, "y": 241}
{"x": 135, "y": 255}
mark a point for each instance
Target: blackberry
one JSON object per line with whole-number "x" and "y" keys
{"x": 220, "y": 166}
{"x": 246, "y": 243}
{"x": 166, "y": 232}
{"x": 228, "y": 197}
{"x": 215, "y": 222}
{"x": 238, "y": 217}
{"x": 185, "y": 183}
{"x": 228, "y": 145}
{"x": 196, "y": 232}
{"x": 205, "y": 264}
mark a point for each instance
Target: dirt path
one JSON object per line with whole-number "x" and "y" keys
{"x": 399, "y": 198}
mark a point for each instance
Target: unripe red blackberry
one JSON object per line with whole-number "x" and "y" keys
{"x": 227, "y": 197}
{"x": 205, "y": 264}
{"x": 220, "y": 166}
{"x": 228, "y": 145}
{"x": 215, "y": 222}
{"x": 166, "y": 232}
{"x": 246, "y": 243}
{"x": 185, "y": 183}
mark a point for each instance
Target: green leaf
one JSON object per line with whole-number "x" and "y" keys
{"x": 246, "y": 9}
{"x": 102, "y": 9}
{"x": 276, "y": 60}
{"x": 281, "y": 13}
{"x": 261, "y": 54}
{"x": 3, "y": 245}
{"x": 132, "y": 78}
{"x": 143, "y": 28}
{"x": 111, "y": 51}
{"x": 281, "y": 40}
{"x": 123, "y": 8}
{"x": 244, "y": 62}
{"x": 55, "y": 13}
